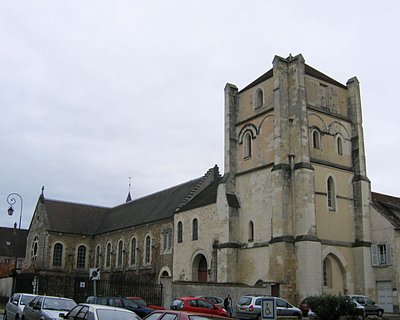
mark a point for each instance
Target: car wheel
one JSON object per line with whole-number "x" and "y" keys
{"x": 258, "y": 317}
{"x": 17, "y": 316}
{"x": 5, "y": 315}
{"x": 379, "y": 313}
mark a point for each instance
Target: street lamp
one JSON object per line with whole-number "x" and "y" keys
{"x": 12, "y": 201}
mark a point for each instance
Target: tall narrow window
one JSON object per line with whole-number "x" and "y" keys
{"x": 180, "y": 232}
{"x": 251, "y": 231}
{"x": 57, "y": 255}
{"x": 259, "y": 98}
{"x": 167, "y": 240}
{"x": 147, "y": 257}
{"x": 247, "y": 145}
{"x": 327, "y": 272}
{"x": 81, "y": 257}
{"x": 330, "y": 185}
{"x": 108, "y": 255}
{"x": 120, "y": 253}
{"x": 339, "y": 145}
{"x": 316, "y": 140}
{"x": 97, "y": 257}
{"x": 195, "y": 229}
{"x": 133, "y": 251}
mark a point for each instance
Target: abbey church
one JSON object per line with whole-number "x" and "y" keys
{"x": 292, "y": 210}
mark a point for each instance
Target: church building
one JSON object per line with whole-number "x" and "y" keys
{"x": 291, "y": 211}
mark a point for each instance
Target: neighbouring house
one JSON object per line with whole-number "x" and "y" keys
{"x": 12, "y": 249}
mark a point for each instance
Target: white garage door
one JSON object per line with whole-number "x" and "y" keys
{"x": 385, "y": 295}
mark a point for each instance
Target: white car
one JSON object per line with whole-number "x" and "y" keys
{"x": 100, "y": 312}
{"x": 16, "y": 304}
{"x": 47, "y": 308}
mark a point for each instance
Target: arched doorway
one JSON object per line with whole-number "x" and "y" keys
{"x": 199, "y": 268}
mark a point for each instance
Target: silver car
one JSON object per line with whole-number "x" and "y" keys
{"x": 47, "y": 308}
{"x": 100, "y": 312}
{"x": 16, "y": 304}
{"x": 249, "y": 308}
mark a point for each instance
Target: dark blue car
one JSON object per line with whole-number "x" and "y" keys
{"x": 121, "y": 303}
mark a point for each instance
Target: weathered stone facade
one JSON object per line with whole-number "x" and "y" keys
{"x": 291, "y": 213}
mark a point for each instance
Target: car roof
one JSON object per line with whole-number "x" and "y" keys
{"x": 101, "y": 306}
{"x": 190, "y": 313}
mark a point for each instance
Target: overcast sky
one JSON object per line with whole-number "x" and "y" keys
{"x": 94, "y": 92}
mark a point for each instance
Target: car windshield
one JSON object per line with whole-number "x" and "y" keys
{"x": 244, "y": 301}
{"x": 58, "y": 304}
{"x": 105, "y": 314}
{"x": 26, "y": 299}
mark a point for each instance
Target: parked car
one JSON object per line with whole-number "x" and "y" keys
{"x": 120, "y": 303}
{"x": 201, "y": 305}
{"x": 16, "y": 304}
{"x": 47, "y": 308}
{"x": 99, "y": 312}
{"x": 141, "y": 302}
{"x": 307, "y": 312}
{"x": 213, "y": 299}
{"x": 182, "y": 315}
{"x": 249, "y": 307}
{"x": 371, "y": 308}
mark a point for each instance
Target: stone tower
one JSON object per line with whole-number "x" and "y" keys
{"x": 294, "y": 157}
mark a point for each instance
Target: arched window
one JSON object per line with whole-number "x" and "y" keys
{"x": 147, "y": 255}
{"x": 316, "y": 139}
{"x": 57, "y": 255}
{"x": 195, "y": 229}
{"x": 120, "y": 253}
{"x": 247, "y": 145}
{"x": 97, "y": 257}
{"x": 133, "y": 251}
{"x": 330, "y": 186}
{"x": 251, "y": 231}
{"x": 339, "y": 145}
{"x": 81, "y": 257}
{"x": 35, "y": 248}
{"x": 259, "y": 98}
{"x": 180, "y": 232}
{"x": 108, "y": 255}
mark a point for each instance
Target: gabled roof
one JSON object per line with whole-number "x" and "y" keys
{"x": 388, "y": 206}
{"x": 7, "y": 241}
{"x": 154, "y": 207}
{"x": 75, "y": 218}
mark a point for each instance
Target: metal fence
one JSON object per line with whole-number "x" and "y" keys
{"x": 80, "y": 288}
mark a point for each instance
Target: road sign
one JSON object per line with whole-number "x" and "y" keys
{"x": 268, "y": 308}
{"x": 94, "y": 274}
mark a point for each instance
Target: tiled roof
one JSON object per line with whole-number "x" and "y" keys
{"x": 388, "y": 206}
{"x": 7, "y": 240}
{"x": 75, "y": 218}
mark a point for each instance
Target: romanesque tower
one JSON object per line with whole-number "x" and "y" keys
{"x": 294, "y": 158}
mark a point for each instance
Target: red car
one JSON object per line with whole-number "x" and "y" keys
{"x": 182, "y": 315}
{"x": 141, "y": 302}
{"x": 198, "y": 305}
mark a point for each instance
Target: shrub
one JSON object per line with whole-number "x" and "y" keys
{"x": 330, "y": 307}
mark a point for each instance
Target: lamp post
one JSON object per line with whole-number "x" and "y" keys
{"x": 11, "y": 200}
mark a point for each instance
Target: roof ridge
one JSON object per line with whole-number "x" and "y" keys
{"x": 76, "y": 203}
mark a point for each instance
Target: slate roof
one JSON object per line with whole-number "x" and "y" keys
{"x": 7, "y": 235}
{"x": 388, "y": 206}
{"x": 75, "y": 218}
{"x": 308, "y": 71}
{"x": 204, "y": 198}
{"x": 154, "y": 207}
